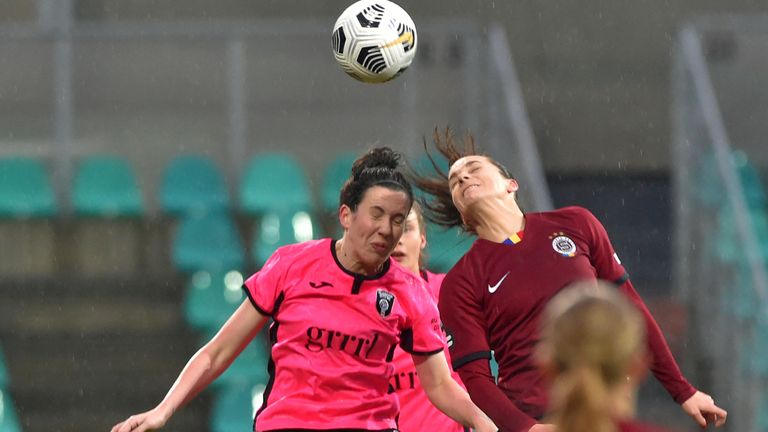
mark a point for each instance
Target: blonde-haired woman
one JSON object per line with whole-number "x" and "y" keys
{"x": 593, "y": 351}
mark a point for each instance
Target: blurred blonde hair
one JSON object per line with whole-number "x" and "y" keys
{"x": 590, "y": 336}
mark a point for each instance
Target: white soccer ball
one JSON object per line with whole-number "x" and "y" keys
{"x": 374, "y": 40}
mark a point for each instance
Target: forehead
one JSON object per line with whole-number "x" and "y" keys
{"x": 388, "y": 199}
{"x": 468, "y": 161}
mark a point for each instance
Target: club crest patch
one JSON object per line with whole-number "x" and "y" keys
{"x": 385, "y": 302}
{"x": 563, "y": 244}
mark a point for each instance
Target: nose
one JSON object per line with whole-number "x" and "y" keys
{"x": 385, "y": 229}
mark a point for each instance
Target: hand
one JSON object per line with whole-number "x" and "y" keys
{"x": 542, "y": 427}
{"x": 146, "y": 421}
{"x": 702, "y": 408}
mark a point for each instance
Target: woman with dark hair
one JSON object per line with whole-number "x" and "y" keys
{"x": 593, "y": 351}
{"x": 416, "y": 412}
{"x": 339, "y": 308}
{"x": 493, "y": 297}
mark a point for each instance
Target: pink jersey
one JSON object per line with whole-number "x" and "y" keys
{"x": 416, "y": 411}
{"x": 333, "y": 338}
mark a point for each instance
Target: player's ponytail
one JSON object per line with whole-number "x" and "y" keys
{"x": 377, "y": 167}
{"x": 590, "y": 338}
{"x": 579, "y": 401}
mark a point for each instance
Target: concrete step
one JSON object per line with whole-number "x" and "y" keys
{"x": 160, "y": 288}
{"x": 83, "y": 317}
{"x": 192, "y": 418}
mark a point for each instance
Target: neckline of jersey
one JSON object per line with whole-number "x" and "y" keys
{"x": 379, "y": 275}
{"x": 529, "y": 222}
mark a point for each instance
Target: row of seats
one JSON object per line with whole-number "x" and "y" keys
{"x": 213, "y": 242}
{"x": 191, "y": 184}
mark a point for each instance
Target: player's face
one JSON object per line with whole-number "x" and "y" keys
{"x": 375, "y": 227}
{"x": 474, "y": 178}
{"x": 412, "y": 242}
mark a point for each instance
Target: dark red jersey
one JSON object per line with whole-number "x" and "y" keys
{"x": 634, "y": 426}
{"x": 493, "y": 298}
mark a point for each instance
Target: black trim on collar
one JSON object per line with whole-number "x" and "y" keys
{"x": 620, "y": 281}
{"x": 358, "y": 277}
{"x": 424, "y": 274}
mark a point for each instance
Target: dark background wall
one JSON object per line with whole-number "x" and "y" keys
{"x": 595, "y": 74}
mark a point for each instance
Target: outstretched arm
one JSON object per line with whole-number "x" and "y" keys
{"x": 447, "y": 395}
{"x": 476, "y": 376}
{"x": 204, "y": 367}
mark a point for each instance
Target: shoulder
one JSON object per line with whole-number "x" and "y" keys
{"x": 464, "y": 275}
{"x": 304, "y": 249}
{"x": 403, "y": 277}
{"x": 570, "y": 213}
{"x": 434, "y": 282}
{"x": 578, "y": 218}
{"x": 412, "y": 288}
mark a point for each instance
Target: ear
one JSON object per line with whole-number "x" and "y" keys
{"x": 512, "y": 186}
{"x": 345, "y": 216}
{"x": 423, "y": 242}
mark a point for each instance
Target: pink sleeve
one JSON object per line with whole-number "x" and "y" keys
{"x": 422, "y": 334}
{"x": 264, "y": 287}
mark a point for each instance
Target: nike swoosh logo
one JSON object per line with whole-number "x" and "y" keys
{"x": 492, "y": 289}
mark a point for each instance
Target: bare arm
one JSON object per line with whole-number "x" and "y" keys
{"x": 204, "y": 367}
{"x": 447, "y": 395}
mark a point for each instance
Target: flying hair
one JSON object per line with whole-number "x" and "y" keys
{"x": 437, "y": 202}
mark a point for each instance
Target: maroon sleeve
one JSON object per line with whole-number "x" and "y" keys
{"x": 477, "y": 378}
{"x": 462, "y": 316}
{"x": 663, "y": 365}
{"x": 608, "y": 266}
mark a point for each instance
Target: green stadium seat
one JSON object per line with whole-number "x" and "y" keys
{"x": 192, "y": 184}
{"x": 445, "y": 247}
{"x": 754, "y": 353}
{"x": 709, "y": 187}
{"x": 211, "y": 298}
{"x": 234, "y": 407}
{"x": 208, "y": 242}
{"x": 423, "y": 166}
{"x": 5, "y": 379}
{"x": 250, "y": 367}
{"x": 25, "y": 189}
{"x": 707, "y": 183}
{"x": 274, "y": 182}
{"x": 105, "y": 186}
{"x": 740, "y": 298}
{"x": 276, "y": 229}
{"x": 336, "y": 174}
{"x": 9, "y": 421}
{"x": 754, "y": 193}
{"x": 728, "y": 246}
